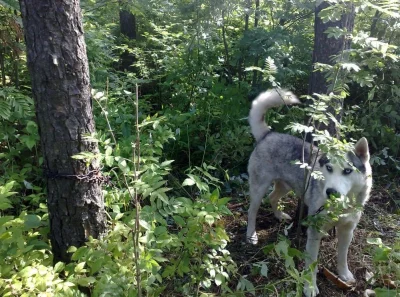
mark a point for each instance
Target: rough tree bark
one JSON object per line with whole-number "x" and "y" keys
{"x": 324, "y": 49}
{"x": 58, "y": 65}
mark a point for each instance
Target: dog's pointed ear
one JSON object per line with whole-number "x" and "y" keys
{"x": 361, "y": 149}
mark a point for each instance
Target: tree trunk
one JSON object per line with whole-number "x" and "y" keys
{"x": 324, "y": 49}
{"x": 227, "y": 62}
{"x": 241, "y": 62}
{"x": 256, "y": 17}
{"x": 58, "y": 65}
{"x": 373, "y": 30}
{"x": 127, "y": 22}
{"x": 246, "y": 19}
{"x": 2, "y": 67}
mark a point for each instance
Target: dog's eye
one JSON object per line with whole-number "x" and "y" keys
{"x": 347, "y": 171}
{"x": 329, "y": 168}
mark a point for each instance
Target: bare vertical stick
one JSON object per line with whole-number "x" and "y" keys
{"x": 136, "y": 153}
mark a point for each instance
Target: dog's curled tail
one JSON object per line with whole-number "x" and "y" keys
{"x": 262, "y": 103}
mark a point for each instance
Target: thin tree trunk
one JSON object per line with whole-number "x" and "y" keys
{"x": 224, "y": 39}
{"x": 246, "y": 28}
{"x": 256, "y": 17}
{"x": 2, "y": 67}
{"x": 373, "y": 29}
{"x": 127, "y": 21}
{"x": 59, "y": 70}
{"x": 246, "y": 19}
{"x": 324, "y": 49}
{"x": 16, "y": 70}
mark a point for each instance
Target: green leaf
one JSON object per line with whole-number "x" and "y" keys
{"x": 188, "y": 182}
{"x": 246, "y": 285}
{"x": 72, "y": 249}
{"x": 86, "y": 281}
{"x": 59, "y": 267}
{"x": 209, "y": 219}
{"x": 28, "y": 272}
{"x": 109, "y": 160}
{"x": 80, "y": 267}
{"x": 166, "y": 163}
{"x": 32, "y": 221}
{"x": 202, "y": 213}
{"x": 28, "y": 140}
{"x": 219, "y": 279}
{"x": 169, "y": 271}
{"x": 7, "y": 187}
{"x": 5, "y": 219}
{"x": 144, "y": 224}
{"x": 375, "y": 241}
{"x": 96, "y": 265}
{"x": 223, "y": 201}
{"x": 179, "y": 221}
{"x": 80, "y": 253}
{"x": 163, "y": 197}
{"x": 5, "y": 204}
{"x": 123, "y": 165}
{"x": 264, "y": 270}
{"x": 5, "y": 109}
{"x": 214, "y": 196}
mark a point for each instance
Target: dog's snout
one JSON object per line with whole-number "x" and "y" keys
{"x": 331, "y": 191}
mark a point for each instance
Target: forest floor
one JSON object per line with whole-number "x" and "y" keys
{"x": 379, "y": 220}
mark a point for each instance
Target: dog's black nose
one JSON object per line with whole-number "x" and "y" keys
{"x": 331, "y": 191}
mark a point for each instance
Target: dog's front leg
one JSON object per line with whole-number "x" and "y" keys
{"x": 345, "y": 236}
{"x": 312, "y": 249}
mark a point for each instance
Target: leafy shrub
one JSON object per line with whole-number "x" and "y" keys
{"x": 387, "y": 267}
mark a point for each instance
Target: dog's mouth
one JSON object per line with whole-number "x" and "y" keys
{"x": 332, "y": 192}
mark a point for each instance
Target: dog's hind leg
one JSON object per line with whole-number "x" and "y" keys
{"x": 257, "y": 192}
{"x": 345, "y": 235}
{"x": 280, "y": 190}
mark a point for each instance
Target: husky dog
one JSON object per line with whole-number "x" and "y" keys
{"x": 272, "y": 162}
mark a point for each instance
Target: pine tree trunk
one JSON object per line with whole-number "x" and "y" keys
{"x": 58, "y": 65}
{"x": 324, "y": 49}
{"x": 127, "y": 22}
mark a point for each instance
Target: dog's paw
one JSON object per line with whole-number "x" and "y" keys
{"x": 310, "y": 291}
{"x": 252, "y": 239}
{"x": 347, "y": 277}
{"x": 282, "y": 216}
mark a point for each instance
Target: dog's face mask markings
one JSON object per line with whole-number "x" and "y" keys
{"x": 340, "y": 177}
{"x": 272, "y": 163}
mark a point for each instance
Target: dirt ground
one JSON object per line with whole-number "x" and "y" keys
{"x": 379, "y": 220}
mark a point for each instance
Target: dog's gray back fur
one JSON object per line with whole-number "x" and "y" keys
{"x": 274, "y": 157}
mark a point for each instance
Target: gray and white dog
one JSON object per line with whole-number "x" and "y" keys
{"x": 272, "y": 162}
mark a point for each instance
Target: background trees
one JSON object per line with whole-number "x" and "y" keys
{"x": 198, "y": 64}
